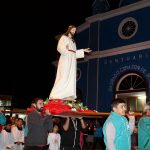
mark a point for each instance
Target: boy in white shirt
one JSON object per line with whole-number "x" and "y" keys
{"x": 18, "y": 134}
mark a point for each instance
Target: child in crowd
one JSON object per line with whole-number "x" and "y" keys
{"x": 54, "y": 138}
{"x": 18, "y": 134}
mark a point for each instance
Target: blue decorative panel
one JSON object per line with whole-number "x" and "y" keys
{"x": 109, "y": 37}
{"x": 112, "y": 67}
{"x": 82, "y": 81}
{"x": 94, "y": 37}
{"x": 92, "y": 83}
{"x": 82, "y": 39}
{"x": 127, "y": 2}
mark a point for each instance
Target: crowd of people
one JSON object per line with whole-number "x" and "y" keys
{"x": 39, "y": 131}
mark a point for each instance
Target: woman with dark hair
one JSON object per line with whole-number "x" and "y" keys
{"x": 65, "y": 82}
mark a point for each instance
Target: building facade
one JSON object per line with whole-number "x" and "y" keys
{"x": 119, "y": 65}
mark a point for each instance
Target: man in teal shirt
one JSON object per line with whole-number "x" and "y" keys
{"x": 144, "y": 129}
{"x": 116, "y": 129}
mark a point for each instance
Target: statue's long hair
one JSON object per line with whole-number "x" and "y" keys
{"x": 68, "y": 31}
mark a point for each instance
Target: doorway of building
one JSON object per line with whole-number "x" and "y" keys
{"x": 133, "y": 89}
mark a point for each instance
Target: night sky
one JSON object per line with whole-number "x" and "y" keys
{"x": 28, "y": 46}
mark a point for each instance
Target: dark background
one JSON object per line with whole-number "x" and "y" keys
{"x": 28, "y": 46}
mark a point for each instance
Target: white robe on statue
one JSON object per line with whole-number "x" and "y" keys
{"x": 6, "y": 140}
{"x": 65, "y": 82}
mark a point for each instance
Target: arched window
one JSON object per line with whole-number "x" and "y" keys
{"x": 130, "y": 82}
{"x": 132, "y": 88}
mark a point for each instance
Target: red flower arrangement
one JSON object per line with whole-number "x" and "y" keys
{"x": 58, "y": 106}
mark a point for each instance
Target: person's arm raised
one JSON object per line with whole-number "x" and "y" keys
{"x": 66, "y": 125}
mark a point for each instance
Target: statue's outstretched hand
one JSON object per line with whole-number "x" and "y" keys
{"x": 87, "y": 50}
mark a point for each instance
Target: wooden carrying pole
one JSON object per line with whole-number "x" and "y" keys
{"x": 76, "y": 114}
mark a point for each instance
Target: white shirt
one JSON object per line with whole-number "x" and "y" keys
{"x": 18, "y": 137}
{"x": 54, "y": 141}
{"x": 6, "y": 140}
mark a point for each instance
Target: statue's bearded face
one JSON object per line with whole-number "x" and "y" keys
{"x": 72, "y": 31}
